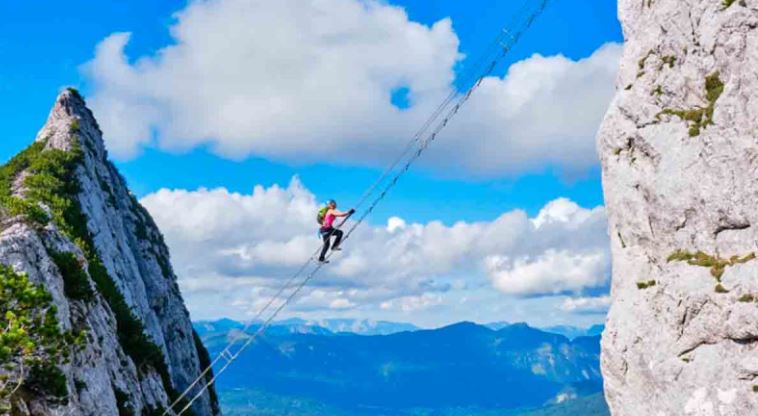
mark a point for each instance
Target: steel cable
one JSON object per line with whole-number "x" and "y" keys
{"x": 504, "y": 42}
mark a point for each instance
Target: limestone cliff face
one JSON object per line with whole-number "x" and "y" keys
{"x": 679, "y": 151}
{"x": 139, "y": 348}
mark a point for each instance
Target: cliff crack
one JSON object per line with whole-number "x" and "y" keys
{"x": 731, "y": 226}
{"x": 694, "y": 347}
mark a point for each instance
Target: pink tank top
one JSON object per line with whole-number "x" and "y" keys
{"x": 328, "y": 220}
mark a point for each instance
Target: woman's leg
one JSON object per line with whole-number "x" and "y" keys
{"x": 338, "y": 239}
{"x": 326, "y": 236}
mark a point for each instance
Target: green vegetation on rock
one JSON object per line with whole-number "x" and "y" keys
{"x": 31, "y": 338}
{"x": 699, "y": 117}
{"x": 645, "y": 284}
{"x": 75, "y": 92}
{"x": 143, "y": 220}
{"x": 80, "y": 385}
{"x": 747, "y": 298}
{"x": 641, "y": 63}
{"x": 75, "y": 281}
{"x": 716, "y": 264}
{"x": 669, "y": 60}
{"x": 49, "y": 180}
{"x": 13, "y": 205}
{"x": 45, "y": 378}
{"x": 728, "y": 3}
{"x": 122, "y": 402}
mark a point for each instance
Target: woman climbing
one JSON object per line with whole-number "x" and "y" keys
{"x": 326, "y": 217}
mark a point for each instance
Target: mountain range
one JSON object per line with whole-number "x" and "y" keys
{"x": 337, "y": 326}
{"x": 322, "y": 326}
{"x": 459, "y": 369}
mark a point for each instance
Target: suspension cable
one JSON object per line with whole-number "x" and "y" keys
{"x": 503, "y": 43}
{"x": 471, "y": 73}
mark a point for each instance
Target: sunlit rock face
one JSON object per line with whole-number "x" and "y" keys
{"x": 679, "y": 151}
{"x": 105, "y": 376}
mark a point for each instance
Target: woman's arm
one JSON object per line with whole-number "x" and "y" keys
{"x": 342, "y": 214}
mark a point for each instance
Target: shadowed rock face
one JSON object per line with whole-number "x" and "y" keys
{"x": 679, "y": 150}
{"x": 105, "y": 377}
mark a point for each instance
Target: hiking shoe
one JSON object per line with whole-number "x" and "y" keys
{"x": 323, "y": 261}
{"x": 336, "y": 248}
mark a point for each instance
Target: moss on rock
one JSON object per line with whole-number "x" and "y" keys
{"x": 645, "y": 284}
{"x": 699, "y": 118}
{"x": 716, "y": 264}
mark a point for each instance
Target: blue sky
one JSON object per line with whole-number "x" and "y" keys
{"x": 44, "y": 45}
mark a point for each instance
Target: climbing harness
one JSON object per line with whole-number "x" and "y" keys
{"x": 483, "y": 67}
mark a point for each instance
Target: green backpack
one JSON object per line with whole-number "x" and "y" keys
{"x": 321, "y": 215}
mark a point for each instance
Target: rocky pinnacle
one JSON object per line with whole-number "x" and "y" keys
{"x": 106, "y": 377}
{"x": 679, "y": 152}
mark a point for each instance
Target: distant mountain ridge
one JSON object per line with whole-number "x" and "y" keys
{"x": 369, "y": 327}
{"x": 303, "y": 326}
{"x": 572, "y": 332}
{"x": 464, "y": 365}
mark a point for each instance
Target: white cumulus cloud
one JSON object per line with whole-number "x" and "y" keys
{"x": 235, "y": 249}
{"x": 395, "y": 223}
{"x": 597, "y": 304}
{"x": 549, "y": 272}
{"x": 311, "y": 80}
{"x": 271, "y": 77}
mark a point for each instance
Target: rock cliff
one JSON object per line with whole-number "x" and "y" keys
{"x": 679, "y": 151}
{"x": 95, "y": 324}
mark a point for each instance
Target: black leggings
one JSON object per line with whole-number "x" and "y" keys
{"x": 327, "y": 234}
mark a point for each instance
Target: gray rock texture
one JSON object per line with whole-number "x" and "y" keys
{"x": 679, "y": 151}
{"x": 132, "y": 250}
